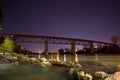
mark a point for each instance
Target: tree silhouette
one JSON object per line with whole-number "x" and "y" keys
{"x": 1, "y": 39}
{"x": 115, "y": 39}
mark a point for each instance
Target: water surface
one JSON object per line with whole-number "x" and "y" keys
{"x": 34, "y": 72}
{"x": 30, "y": 72}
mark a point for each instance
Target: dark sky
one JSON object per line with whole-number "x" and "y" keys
{"x": 84, "y": 19}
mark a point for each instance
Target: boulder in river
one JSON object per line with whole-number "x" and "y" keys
{"x": 83, "y": 76}
{"x": 100, "y": 75}
{"x": 44, "y": 62}
{"x": 115, "y": 76}
{"x": 118, "y": 67}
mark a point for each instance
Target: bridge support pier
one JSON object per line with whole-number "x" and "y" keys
{"x": 91, "y": 48}
{"x": 73, "y": 52}
{"x": 13, "y": 38}
{"x": 57, "y": 56}
{"x": 46, "y": 49}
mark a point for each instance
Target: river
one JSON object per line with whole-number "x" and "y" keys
{"x": 34, "y": 72}
{"x": 108, "y": 59}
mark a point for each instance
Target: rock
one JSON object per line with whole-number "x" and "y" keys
{"x": 81, "y": 73}
{"x": 34, "y": 61}
{"x": 52, "y": 60}
{"x": 16, "y": 63}
{"x": 88, "y": 76}
{"x": 115, "y": 76}
{"x": 71, "y": 71}
{"x": 100, "y": 75}
{"x": 71, "y": 63}
{"x": 43, "y": 59}
{"x": 118, "y": 67}
{"x": 11, "y": 58}
{"x": 77, "y": 65}
{"x": 1, "y": 54}
{"x": 82, "y": 76}
{"x": 23, "y": 59}
{"x": 15, "y": 58}
{"x": 110, "y": 77}
{"x": 44, "y": 62}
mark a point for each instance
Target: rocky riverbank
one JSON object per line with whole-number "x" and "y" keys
{"x": 78, "y": 71}
{"x": 94, "y": 71}
{"x": 20, "y": 59}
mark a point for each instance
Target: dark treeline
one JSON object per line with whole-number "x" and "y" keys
{"x": 105, "y": 50}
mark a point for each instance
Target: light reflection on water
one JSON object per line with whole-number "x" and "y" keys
{"x": 107, "y": 59}
{"x": 111, "y": 60}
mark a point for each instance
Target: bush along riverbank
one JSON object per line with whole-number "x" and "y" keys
{"x": 94, "y": 71}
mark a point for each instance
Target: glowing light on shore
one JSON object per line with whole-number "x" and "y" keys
{"x": 65, "y": 58}
{"x": 57, "y": 56}
{"x": 39, "y": 53}
{"x": 76, "y": 58}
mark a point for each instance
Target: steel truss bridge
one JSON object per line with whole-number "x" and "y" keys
{"x": 54, "y": 40}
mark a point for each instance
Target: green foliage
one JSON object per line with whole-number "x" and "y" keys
{"x": 8, "y": 46}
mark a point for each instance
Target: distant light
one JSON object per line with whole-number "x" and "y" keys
{"x": 39, "y": 52}
{"x": 64, "y": 50}
{"x": 76, "y": 50}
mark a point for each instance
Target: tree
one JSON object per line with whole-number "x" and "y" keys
{"x": 9, "y": 45}
{"x": 1, "y": 39}
{"x": 115, "y": 39}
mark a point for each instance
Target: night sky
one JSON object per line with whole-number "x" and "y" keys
{"x": 83, "y": 19}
